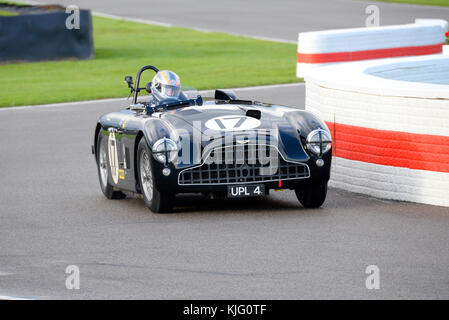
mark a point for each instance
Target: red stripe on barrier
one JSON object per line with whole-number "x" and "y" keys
{"x": 368, "y": 54}
{"x": 390, "y": 148}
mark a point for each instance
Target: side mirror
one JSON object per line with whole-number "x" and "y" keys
{"x": 148, "y": 87}
{"x": 129, "y": 80}
{"x": 199, "y": 100}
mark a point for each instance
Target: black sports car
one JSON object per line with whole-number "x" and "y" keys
{"x": 221, "y": 147}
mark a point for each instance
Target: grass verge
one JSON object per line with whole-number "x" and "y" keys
{"x": 424, "y": 2}
{"x": 5, "y": 13}
{"x": 204, "y": 60}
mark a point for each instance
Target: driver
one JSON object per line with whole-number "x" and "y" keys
{"x": 166, "y": 85}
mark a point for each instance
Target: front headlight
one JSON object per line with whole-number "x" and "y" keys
{"x": 165, "y": 147}
{"x": 319, "y": 142}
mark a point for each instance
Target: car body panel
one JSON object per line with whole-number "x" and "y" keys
{"x": 216, "y": 119}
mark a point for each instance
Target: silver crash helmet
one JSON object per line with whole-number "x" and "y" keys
{"x": 166, "y": 84}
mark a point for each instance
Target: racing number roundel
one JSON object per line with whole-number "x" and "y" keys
{"x": 232, "y": 123}
{"x": 113, "y": 156}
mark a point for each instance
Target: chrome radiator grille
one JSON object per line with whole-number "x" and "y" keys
{"x": 240, "y": 164}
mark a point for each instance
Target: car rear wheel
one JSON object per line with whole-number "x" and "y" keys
{"x": 103, "y": 170}
{"x": 312, "y": 196}
{"x": 157, "y": 202}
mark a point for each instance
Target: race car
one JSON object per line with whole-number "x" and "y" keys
{"x": 173, "y": 141}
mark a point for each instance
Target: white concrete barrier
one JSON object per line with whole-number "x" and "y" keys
{"x": 321, "y": 48}
{"x": 390, "y": 124}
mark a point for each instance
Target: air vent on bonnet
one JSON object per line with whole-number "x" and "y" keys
{"x": 228, "y": 96}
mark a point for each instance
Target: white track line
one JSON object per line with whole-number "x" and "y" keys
{"x": 5, "y": 297}
{"x": 246, "y": 36}
{"x": 62, "y": 104}
{"x": 144, "y": 21}
{"x": 271, "y": 86}
{"x": 163, "y": 24}
{"x": 13, "y": 298}
{"x": 84, "y": 102}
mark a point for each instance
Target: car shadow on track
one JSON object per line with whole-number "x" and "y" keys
{"x": 190, "y": 203}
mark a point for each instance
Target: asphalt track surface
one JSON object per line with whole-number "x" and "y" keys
{"x": 53, "y": 214}
{"x": 281, "y": 19}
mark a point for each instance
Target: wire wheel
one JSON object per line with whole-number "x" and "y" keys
{"x": 146, "y": 175}
{"x": 103, "y": 164}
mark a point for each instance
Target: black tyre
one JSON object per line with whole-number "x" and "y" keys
{"x": 157, "y": 202}
{"x": 104, "y": 170}
{"x": 312, "y": 196}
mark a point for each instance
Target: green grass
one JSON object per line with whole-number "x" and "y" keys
{"x": 4, "y": 13}
{"x": 425, "y": 2}
{"x": 203, "y": 60}
{"x": 13, "y": 3}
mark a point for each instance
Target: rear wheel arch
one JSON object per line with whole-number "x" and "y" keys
{"x": 136, "y": 172}
{"x": 97, "y": 132}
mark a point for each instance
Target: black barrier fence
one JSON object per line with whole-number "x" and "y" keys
{"x": 45, "y": 36}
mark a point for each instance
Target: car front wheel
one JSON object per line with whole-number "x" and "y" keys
{"x": 157, "y": 202}
{"x": 312, "y": 196}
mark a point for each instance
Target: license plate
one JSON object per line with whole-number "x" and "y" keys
{"x": 246, "y": 191}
